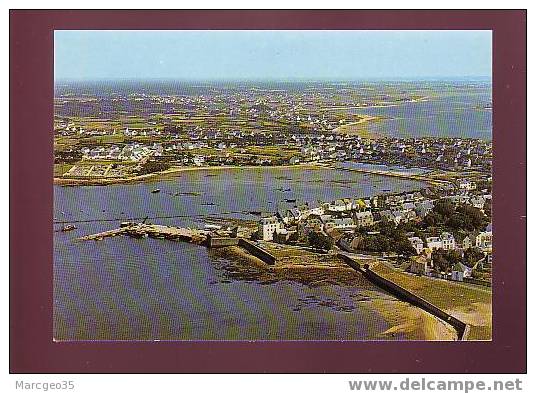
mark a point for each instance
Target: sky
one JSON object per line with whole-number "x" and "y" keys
{"x": 271, "y": 55}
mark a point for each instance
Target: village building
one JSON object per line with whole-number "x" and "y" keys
{"x": 340, "y": 205}
{"x": 419, "y": 265}
{"x": 467, "y": 184}
{"x": 423, "y": 208}
{"x": 269, "y": 226}
{"x": 459, "y": 272}
{"x": 447, "y": 241}
{"x": 484, "y": 240}
{"x": 343, "y": 223}
{"x": 363, "y": 219}
{"x": 417, "y": 243}
{"x": 478, "y": 202}
{"x": 434, "y": 243}
{"x": 468, "y": 241}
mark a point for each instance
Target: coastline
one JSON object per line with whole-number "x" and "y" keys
{"x": 401, "y": 317}
{"x": 356, "y": 127}
{"x": 414, "y": 323}
{"x": 401, "y": 175}
{"x": 67, "y": 181}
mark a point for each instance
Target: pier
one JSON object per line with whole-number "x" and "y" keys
{"x": 140, "y": 230}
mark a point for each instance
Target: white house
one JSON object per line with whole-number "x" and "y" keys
{"x": 419, "y": 265}
{"x": 340, "y": 205}
{"x": 424, "y": 207}
{"x": 467, "y": 184}
{"x": 434, "y": 243}
{"x": 447, "y": 241}
{"x": 478, "y": 202}
{"x": 343, "y": 223}
{"x": 484, "y": 239}
{"x": 459, "y": 271}
{"x": 308, "y": 209}
{"x": 468, "y": 241}
{"x": 417, "y": 243}
{"x": 269, "y": 226}
{"x": 199, "y": 160}
{"x": 364, "y": 219}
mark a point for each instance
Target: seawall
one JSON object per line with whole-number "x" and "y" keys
{"x": 257, "y": 251}
{"x": 215, "y": 242}
{"x": 252, "y": 248}
{"x": 462, "y": 329}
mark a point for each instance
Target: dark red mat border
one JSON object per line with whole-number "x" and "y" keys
{"x": 31, "y": 113}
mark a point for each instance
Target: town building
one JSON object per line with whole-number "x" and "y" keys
{"x": 459, "y": 272}
{"x": 269, "y": 226}
{"x": 363, "y": 219}
{"x": 484, "y": 240}
{"x": 447, "y": 241}
{"x": 419, "y": 265}
{"x": 434, "y": 243}
{"x": 417, "y": 243}
{"x": 468, "y": 241}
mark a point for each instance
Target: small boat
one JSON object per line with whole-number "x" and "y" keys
{"x": 156, "y": 191}
{"x": 290, "y": 200}
{"x": 213, "y": 226}
{"x": 208, "y": 204}
{"x": 255, "y": 213}
{"x": 68, "y": 227}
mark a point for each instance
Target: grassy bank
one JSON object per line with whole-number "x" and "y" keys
{"x": 471, "y": 304}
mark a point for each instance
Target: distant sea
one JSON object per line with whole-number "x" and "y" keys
{"x": 453, "y": 108}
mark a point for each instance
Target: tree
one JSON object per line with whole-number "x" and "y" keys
{"x": 440, "y": 261}
{"x": 433, "y": 219}
{"x": 473, "y": 218}
{"x": 444, "y": 207}
{"x": 445, "y": 259}
{"x": 320, "y": 241}
{"x": 404, "y": 247}
{"x": 472, "y": 255}
{"x": 456, "y": 222}
{"x": 153, "y": 166}
{"x": 487, "y": 207}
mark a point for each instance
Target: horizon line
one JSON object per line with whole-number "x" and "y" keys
{"x": 316, "y": 79}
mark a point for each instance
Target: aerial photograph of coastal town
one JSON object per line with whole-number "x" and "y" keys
{"x": 273, "y": 185}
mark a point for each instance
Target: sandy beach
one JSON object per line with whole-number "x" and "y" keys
{"x": 413, "y": 322}
{"x": 358, "y": 127}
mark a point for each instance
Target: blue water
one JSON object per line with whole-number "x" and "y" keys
{"x": 450, "y": 110}
{"x": 148, "y": 289}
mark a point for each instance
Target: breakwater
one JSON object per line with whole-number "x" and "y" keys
{"x": 185, "y": 234}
